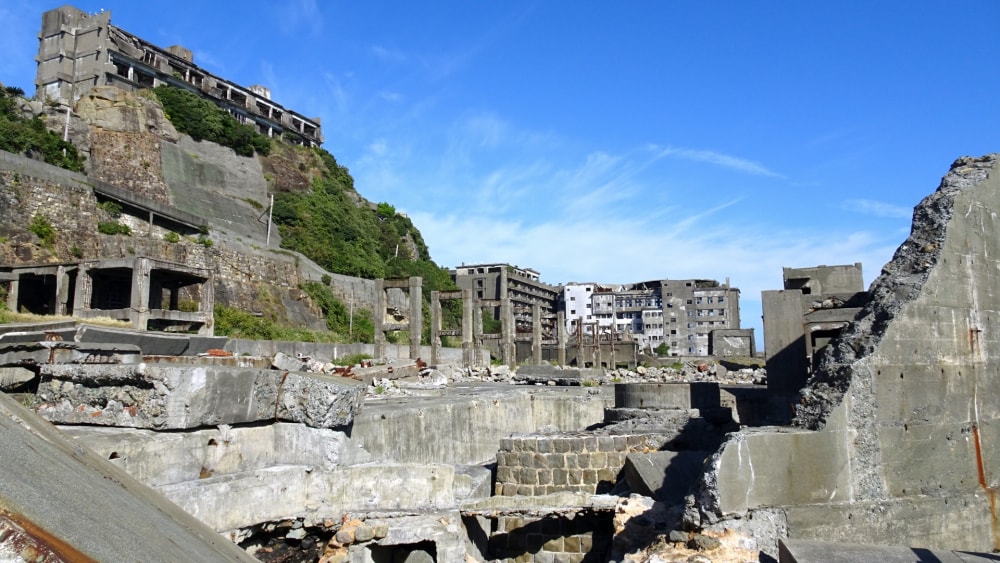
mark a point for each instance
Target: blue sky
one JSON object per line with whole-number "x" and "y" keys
{"x": 614, "y": 141}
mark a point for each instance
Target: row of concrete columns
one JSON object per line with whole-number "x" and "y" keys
{"x": 471, "y": 330}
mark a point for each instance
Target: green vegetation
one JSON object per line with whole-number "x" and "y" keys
{"x": 203, "y": 120}
{"x": 491, "y": 325}
{"x": 338, "y": 316}
{"x": 327, "y": 225}
{"x": 29, "y": 136}
{"x": 112, "y": 208}
{"x": 113, "y": 228}
{"x": 172, "y": 237}
{"x": 237, "y": 323}
{"x": 662, "y": 349}
{"x": 43, "y": 229}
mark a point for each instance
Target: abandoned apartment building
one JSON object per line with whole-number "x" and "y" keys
{"x": 694, "y": 318}
{"x": 78, "y": 51}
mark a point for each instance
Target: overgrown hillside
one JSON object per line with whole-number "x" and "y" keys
{"x": 317, "y": 209}
{"x": 28, "y": 136}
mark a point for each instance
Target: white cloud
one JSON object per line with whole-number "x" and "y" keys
{"x": 719, "y": 159}
{"x": 296, "y": 15}
{"x": 878, "y": 208}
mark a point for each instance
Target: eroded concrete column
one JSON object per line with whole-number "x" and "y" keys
{"x": 416, "y": 315}
{"x": 507, "y": 327}
{"x": 435, "y": 327}
{"x": 139, "y": 313}
{"x": 561, "y": 337}
{"x": 379, "y": 318}
{"x": 84, "y": 290}
{"x": 536, "y": 334}
{"x": 468, "y": 315}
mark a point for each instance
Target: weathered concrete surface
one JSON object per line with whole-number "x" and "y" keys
{"x": 465, "y": 425}
{"x": 164, "y": 458}
{"x": 178, "y": 397}
{"x": 799, "y": 551}
{"x": 695, "y": 395}
{"x": 229, "y": 502}
{"x": 59, "y": 352}
{"x": 97, "y": 511}
{"x": 665, "y": 476}
{"x": 903, "y": 406}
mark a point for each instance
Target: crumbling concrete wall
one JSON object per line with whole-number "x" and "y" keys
{"x": 898, "y": 427}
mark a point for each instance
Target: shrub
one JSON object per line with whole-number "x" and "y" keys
{"x": 112, "y": 208}
{"x": 662, "y": 349}
{"x": 43, "y": 229}
{"x": 30, "y": 137}
{"x": 204, "y": 241}
{"x": 172, "y": 237}
{"x": 113, "y": 228}
{"x": 353, "y": 359}
{"x": 203, "y": 120}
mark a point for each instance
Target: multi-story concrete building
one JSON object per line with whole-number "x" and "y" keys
{"x": 78, "y": 50}
{"x": 502, "y": 287}
{"x": 683, "y": 314}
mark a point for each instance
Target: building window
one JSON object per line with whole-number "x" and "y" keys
{"x": 689, "y": 301}
{"x": 572, "y": 311}
{"x": 697, "y": 300}
{"x": 589, "y": 289}
{"x": 722, "y": 299}
{"x": 572, "y": 298}
{"x": 722, "y": 312}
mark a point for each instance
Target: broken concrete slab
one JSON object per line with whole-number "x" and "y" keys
{"x": 64, "y": 500}
{"x": 166, "y": 397}
{"x": 229, "y": 502}
{"x": 665, "y": 476}
{"x": 61, "y": 352}
{"x": 165, "y": 458}
{"x": 13, "y": 377}
{"x": 152, "y": 343}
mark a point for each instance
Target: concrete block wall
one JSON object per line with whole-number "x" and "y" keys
{"x": 544, "y": 464}
{"x": 585, "y": 536}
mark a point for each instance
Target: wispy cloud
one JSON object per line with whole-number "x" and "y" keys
{"x": 389, "y": 55}
{"x": 877, "y": 208}
{"x": 296, "y": 15}
{"x": 718, "y": 159}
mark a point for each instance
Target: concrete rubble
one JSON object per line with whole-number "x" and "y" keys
{"x": 294, "y": 457}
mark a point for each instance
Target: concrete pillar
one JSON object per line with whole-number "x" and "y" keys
{"x": 507, "y": 327}
{"x": 84, "y": 289}
{"x": 15, "y": 286}
{"x": 536, "y": 334}
{"x": 468, "y": 308}
{"x": 379, "y": 317}
{"x": 62, "y": 290}
{"x": 416, "y": 315}
{"x": 139, "y": 315}
{"x": 784, "y": 341}
{"x": 561, "y": 337}
{"x": 477, "y": 335}
{"x": 435, "y": 327}
{"x": 207, "y": 305}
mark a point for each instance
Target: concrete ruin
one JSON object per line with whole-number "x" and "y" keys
{"x": 895, "y": 431}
